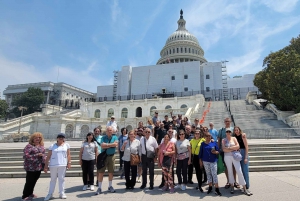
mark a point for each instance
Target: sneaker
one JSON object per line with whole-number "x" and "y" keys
{"x": 111, "y": 189}
{"x": 172, "y": 190}
{"x": 33, "y": 196}
{"x": 48, "y": 197}
{"x": 177, "y": 186}
{"x": 99, "y": 191}
{"x": 139, "y": 180}
{"x": 84, "y": 187}
{"x": 92, "y": 187}
{"x": 183, "y": 187}
{"x": 165, "y": 188}
{"x": 247, "y": 192}
{"x": 63, "y": 196}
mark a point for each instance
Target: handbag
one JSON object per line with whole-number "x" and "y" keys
{"x": 101, "y": 158}
{"x": 149, "y": 154}
{"x": 134, "y": 158}
{"x": 237, "y": 155}
{"x": 181, "y": 156}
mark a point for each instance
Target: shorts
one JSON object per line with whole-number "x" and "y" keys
{"x": 109, "y": 165}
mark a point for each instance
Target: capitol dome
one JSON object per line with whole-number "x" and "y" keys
{"x": 181, "y": 46}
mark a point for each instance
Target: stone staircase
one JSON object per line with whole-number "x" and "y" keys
{"x": 263, "y": 157}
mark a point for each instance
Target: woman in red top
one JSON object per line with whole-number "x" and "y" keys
{"x": 166, "y": 161}
{"x": 34, "y": 156}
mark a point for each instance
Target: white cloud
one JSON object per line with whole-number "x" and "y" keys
{"x": 13, "y": 72}
{"x": 115, "y": 10}
{"x": 281, "y": 6}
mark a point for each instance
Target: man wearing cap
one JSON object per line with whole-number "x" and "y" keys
{"x": 155, "y": 118}
{"x": 113, "y": 124}
{"x": 222, "y": 135}
{"x": 109, "y": 143}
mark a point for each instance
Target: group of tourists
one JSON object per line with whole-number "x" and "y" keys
{"x": 176, "y": 143}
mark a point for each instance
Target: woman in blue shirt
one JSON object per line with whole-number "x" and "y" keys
{"x": 208, "y": 157}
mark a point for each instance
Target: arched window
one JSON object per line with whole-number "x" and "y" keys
{"x": 124, "y": 113}
{"x": 110, "y": 112}
{"x": 152, "y": 110}
{"x": 84, "y": 131}
{"x": 168, "y": 107}
{"x": 138, "y": 112}
{"x": 183, "y": 106}
{"x": 97, "y": 113}
{"x": 69, "y": 131}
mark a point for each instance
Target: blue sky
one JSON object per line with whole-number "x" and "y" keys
{"x": 88, "y": 40}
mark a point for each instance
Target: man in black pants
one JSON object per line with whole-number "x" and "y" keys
{"x": 149, "y": 145}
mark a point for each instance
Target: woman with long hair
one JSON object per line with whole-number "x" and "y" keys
{"x": 230, "y": 144}
{"x": 243, "y": 142}
{"x": 58, "y": 160}
{"x": 166, "y": 160}
{"x": 87, "y": 159}
{"x": 34, "y": 157}
{"x": 183, "y": 156}
{"x": 195, "y": 147}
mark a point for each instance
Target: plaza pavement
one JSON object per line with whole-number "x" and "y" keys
{"x": 265, "y": 186}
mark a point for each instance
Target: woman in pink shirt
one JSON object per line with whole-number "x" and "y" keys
{"x": 165, "y": 161}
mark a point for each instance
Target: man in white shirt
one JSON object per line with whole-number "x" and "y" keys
{"x": 113, "y": 124}
{"x": 148, "y": 146}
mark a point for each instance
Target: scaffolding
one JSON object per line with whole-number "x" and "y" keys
{"x": 224, "y": 80}
{"x": 115, "y": 89}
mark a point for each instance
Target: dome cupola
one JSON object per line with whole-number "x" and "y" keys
{"x": 181, "y": 46}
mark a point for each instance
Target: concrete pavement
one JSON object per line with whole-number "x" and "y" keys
{"x": 265, "y": 186}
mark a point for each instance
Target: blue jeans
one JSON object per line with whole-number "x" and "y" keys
{"x": 245, "y": 168}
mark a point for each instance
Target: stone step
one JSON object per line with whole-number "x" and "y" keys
{"x": 268, "y": 168}
{"x": 287, "y": 152}
{"x": 274, "y": 162}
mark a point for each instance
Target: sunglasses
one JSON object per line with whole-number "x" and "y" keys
{"x": 228, "y": 131}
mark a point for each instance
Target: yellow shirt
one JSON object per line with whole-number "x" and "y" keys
{"x": 195, "y": 144}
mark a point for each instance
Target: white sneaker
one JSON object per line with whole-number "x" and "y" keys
{"x": 84, "y": 187}
{"x": 139, "y": 180}
{"x": 183, "y": 187}
{"x": 177, "y": 186}
{"x": 63, "y": 196}
{"x": 48, "y": 197}
{"x": 92, "y": 187}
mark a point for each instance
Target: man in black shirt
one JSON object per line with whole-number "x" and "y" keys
{"x": 166, "y": 122}
{"x": 160, "y": 133}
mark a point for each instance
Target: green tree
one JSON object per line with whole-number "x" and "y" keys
{"x": 3, "y": 108}
{"x": 279, "y": 81}
{"x": 32, "y": 99}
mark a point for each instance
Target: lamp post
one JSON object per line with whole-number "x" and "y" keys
{"x": 21, "y": 108}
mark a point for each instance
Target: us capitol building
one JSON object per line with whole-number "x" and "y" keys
{"x": 181, "y": 81}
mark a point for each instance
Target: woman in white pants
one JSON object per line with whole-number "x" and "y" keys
{"x": 60, "y": 159}
{"x": 229, "y": 145}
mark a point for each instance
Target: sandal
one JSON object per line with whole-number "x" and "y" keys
{"x": 236, "y": 185}
{"x": 227, "y": 185}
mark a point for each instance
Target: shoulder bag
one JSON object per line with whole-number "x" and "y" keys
{"x": 167, "y": 159}
{"x": 149, "y": 154}
{"x": 134, "y": 158}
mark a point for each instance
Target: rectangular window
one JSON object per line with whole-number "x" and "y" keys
{"x": 185, "y": 50}
{"x": 177, "y": 50}
{"x": 186, "y": 88}
{"x": 189, "y": 50}
{"x": 207, "y": 89}
{"x": 181, "y": 50}
{"x": 185, "y": 76}
{"x": 207, "y": 77}
{"x": 173, "y": 51}
{"x": 173, "y": 77}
